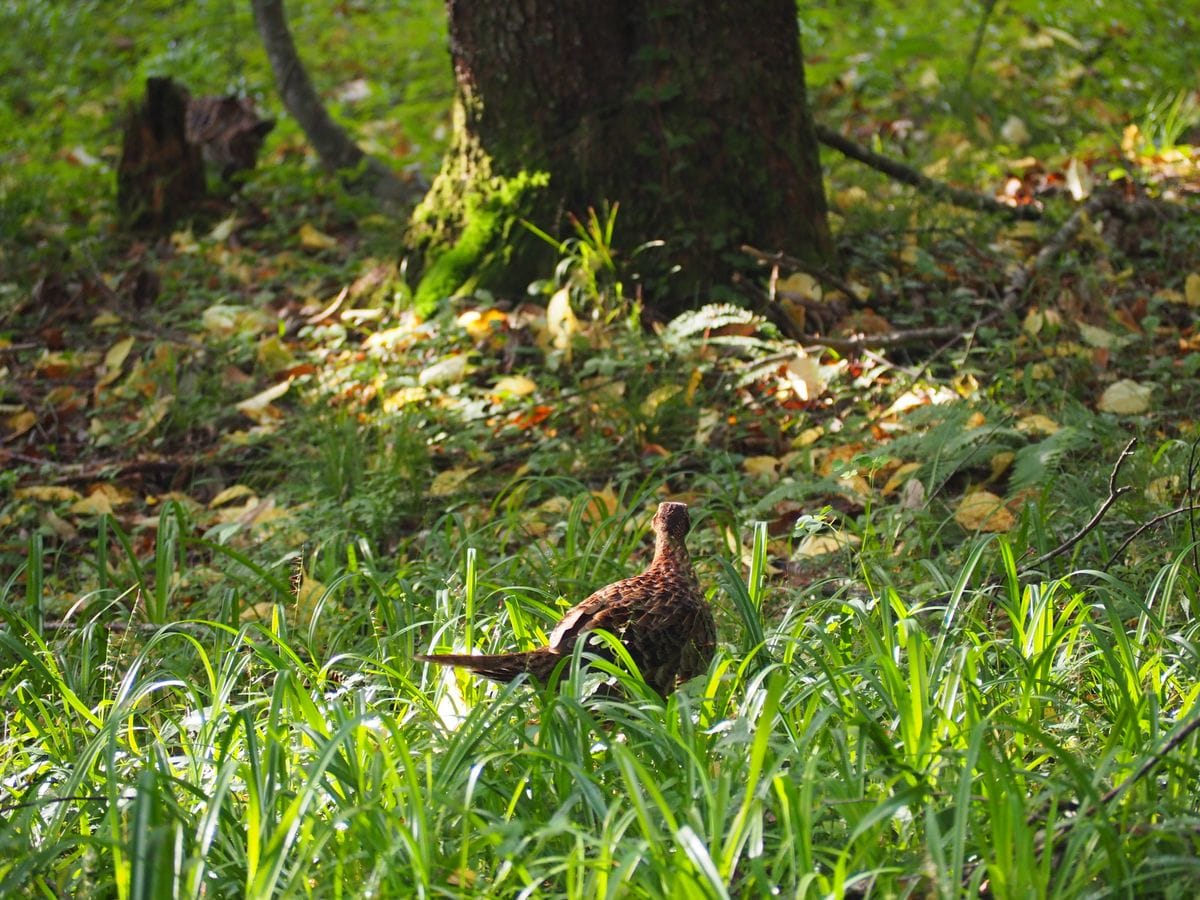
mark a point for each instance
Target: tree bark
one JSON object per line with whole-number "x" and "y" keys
{"x": 334, "y": 147}
{"x": 691, "y": 114}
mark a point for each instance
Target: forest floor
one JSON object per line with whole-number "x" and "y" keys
{"x": 944, "y": 504}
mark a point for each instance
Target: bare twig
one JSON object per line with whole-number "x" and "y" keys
{"x": 910, "y": 176}
{"x": 891, "y": 339}
{"x": 1190, "y": 508}
{"x": 1192, "y": 466}
{"x": 1114, "y": 493}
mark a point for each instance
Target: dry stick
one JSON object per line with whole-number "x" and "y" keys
{"x": 1010, "y": 301}
{"x": 910, "y": 176}
{"x": 1192, "y": 466}
{"x": 1148, "y": 525}
{"x": 1114, "y": 492}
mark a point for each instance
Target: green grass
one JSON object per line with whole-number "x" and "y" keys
{"x": 907, "y": 747}
{"x": 211, "y": 691}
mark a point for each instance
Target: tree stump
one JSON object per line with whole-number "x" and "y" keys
{"x": 161, "y": 175}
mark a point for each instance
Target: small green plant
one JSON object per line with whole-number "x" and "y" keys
{"x": 1168, "y": 116}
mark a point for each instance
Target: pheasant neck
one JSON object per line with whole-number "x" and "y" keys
{"x": 668, "y": 553}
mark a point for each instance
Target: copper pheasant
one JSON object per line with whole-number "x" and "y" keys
{"x": 660, "y": 616}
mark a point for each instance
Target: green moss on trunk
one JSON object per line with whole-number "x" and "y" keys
{"x": 689, "y": 114}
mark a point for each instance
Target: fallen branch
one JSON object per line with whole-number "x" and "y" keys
{"x": 891, "y": 339}
{"x": 1114, "y": 493}
{"x": 1051, "y": 250}
{"x": 910, "y": 176}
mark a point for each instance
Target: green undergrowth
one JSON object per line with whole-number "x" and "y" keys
{"x": 244, "y": 504}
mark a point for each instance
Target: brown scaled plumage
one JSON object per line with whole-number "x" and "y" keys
{"x": 660, "y": 616}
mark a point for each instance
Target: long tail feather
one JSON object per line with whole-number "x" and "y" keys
{"x": 500, "y": 666}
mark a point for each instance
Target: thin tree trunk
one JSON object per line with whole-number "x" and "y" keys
{"x": 334, "y": 147}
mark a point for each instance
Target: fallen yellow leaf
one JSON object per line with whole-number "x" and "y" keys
{"x": 1125, "y": 397}
{"x": 561, "y": 320}
{"x": 803, "y": 376}
{"x": 113, "y": 360}
{"x": 113, "y": 494}
{"x": 482, "y": 324}
{"x": 20, "y": 422}
{"x": 444, "y": 371}
{"x": 898, "y": 478}
{"x": 92, "y": 505}
{"x": 761, "y": 466}
{"x": 274, "y": 355}
{"x": 230, "y": 494}
{"x": 983, "y": 511}
{"x": 827, "y": 542}
{"x": 312, "y": 239}
{"x": 157, "y": 412}
{"x": 602, "y": 503}
{"x": 259, "y": 406}
{"x": 514, "y": 386}
{"x": 47, "y": 493}
{"x": 1191, "y": 289}
{"x": 1037, "y": 424}
{"x": 800, "y": 285}
{"x": 447, "y": 482}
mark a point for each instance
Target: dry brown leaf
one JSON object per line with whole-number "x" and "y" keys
{"x": 983, "y": 511}
{"x": 912, "y": 495}
{"x": 899, "y": 477}
{"x": 603, "y": 503}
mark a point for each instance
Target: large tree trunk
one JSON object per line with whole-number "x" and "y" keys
{"x": 689, "y": 113}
